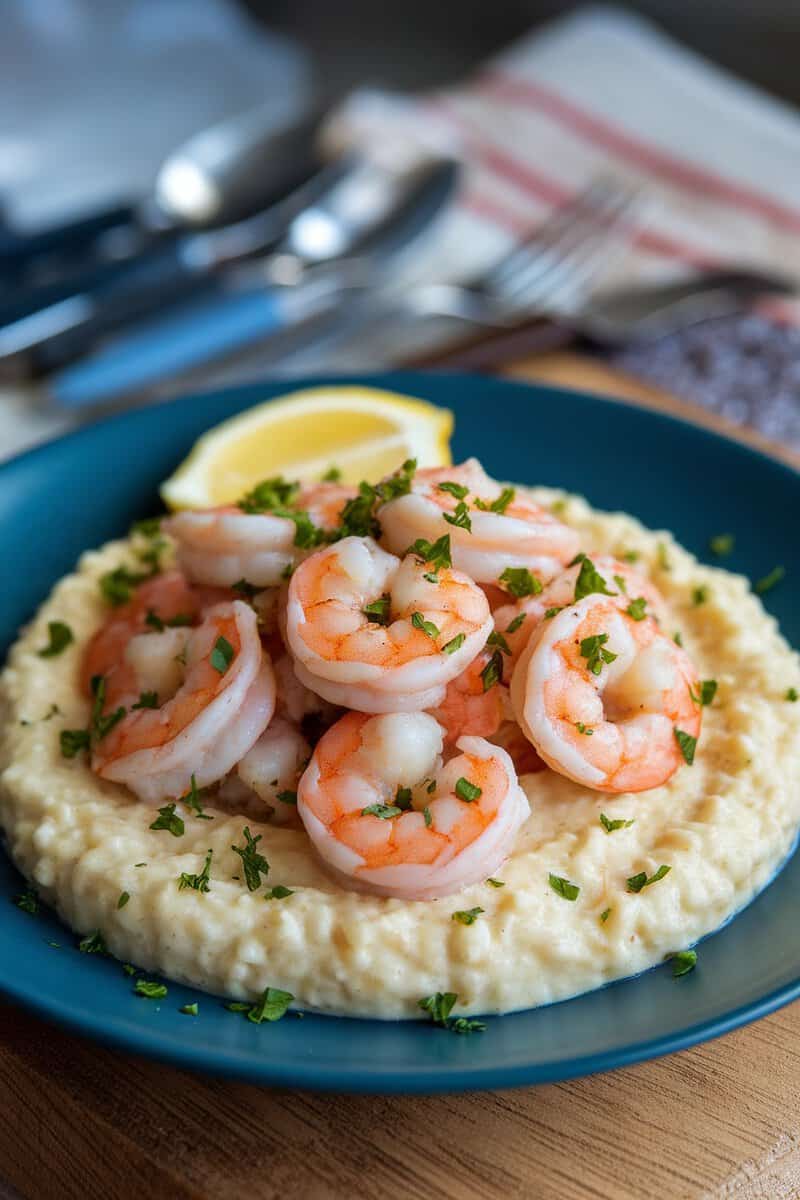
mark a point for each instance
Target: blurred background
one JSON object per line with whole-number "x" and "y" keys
{"x": 195, "y": 193}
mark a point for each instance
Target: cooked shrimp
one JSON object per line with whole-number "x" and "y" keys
{"x": 474, "y": 703}
{"x": 221, "y": 546}
{"x": 603, "y": 696}
{"x": 273, "y": 766}
{"x": 379, "y": 634}
{"x": 517, "y": 620}
{"x": 518, "y": 533}
{"x": 224, "y": 702}
{"x": 387, "y": 817}
{"x": 324, "y": 502}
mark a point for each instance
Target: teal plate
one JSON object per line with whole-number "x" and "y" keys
{"x": 83, "y": 489}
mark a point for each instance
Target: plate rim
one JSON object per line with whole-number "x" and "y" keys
{"x": 417, "y": 1078}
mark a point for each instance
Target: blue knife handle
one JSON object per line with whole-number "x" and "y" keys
{"x": 155, "y": 350}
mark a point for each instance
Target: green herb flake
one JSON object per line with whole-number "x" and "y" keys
{"x": 427, "y": 627}
{"x": 146, "y": 700}
{"x": 466, "y": 791}
{"x": 150, "y": 989}
{"x": 279, "y": 892}
{"x": 466, "y": 916}
{"x": 28, "y": 901}
{"x": 243, "y": 588}
{"x": 128, "y": 969}
{"x": 706, "y": 693}
{"x": 402, "y": 799}
{"x": 269, "y": 494}
{"x": 618, "y": 823}
{"x": 620, "y": 582}
{"x": 384, "y": 812}
{"x": 492, "y": 673}
{"x": 397, "y": 484}
{"x": 584, "y": 729}
{"x": 683, "y": 962}
{"x": 426, "y": 812}
{"x": 102, "y": 723}
{"x": 437, "y": 553}
{"x": 272, "y": 1005}
{"x": 467, "y": 1025}
{"x": 662, "y": 557}
{"x": 332, "y": 475}
{"x": 222, "y": 655}
{"x": 287, "y": 797}
{"x": 439, "y": 1006}
{"x": 636, "y": 609}
{"x": 519, "y": 582}
{"x": 378, "y": 611}
{"x": 496, "y": 639}
{"x": 253, "y": 862}
{"x": 687, "y": 743}
{"x": 454, "y": 644}
{"x": 792, "y": 695}
{"x": 496, "y": 883}
{"x": 124, "y": 897}
{"x": 168, "y": 819}
{"x": 93, "y": 943}
{"x": 453, "y": 489}
{"x": 189, "y": 1010}
{"x": 594, "y": 651}
{"x": 357, "y": 516}
{"x": 590, "y": 581}
{"x": 60, "y": 637}
{"x": 199, "y": 882}
{"x": 631, "y": 556}
{"x": 518, "y": 621}
{"x": 604, "y": 915}
{"x": 552, "y": 612}
{"x": 699, "y": 595}
{"x": 193, "y": 802}
{"x": 116, "y": 587}
{"x": 563, "y": 888}
{"x": 677, "y": 638}
{"x": 636, "y": 883}
{"x": 460, "y": 518}
{"x": 769, "y": 581}
{"x": 72, "y": 741}
{"x": 722, "y": 544}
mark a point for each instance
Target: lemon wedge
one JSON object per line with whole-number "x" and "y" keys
{"x": 363, "y": 432}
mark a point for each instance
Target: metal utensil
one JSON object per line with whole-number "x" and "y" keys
{"x": 331, "y": 245}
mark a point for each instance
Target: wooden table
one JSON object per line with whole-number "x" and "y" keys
{"x": 721, "y": 1120}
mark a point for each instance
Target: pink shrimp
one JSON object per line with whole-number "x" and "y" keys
{"x": 485, "y": 541}
{"x": 387, "y": 817}
{"x": 607, "y": 699}
{"x": 223, "y": 703}
{"x": 380, "y": 634}
{"x": 474, "y": 702}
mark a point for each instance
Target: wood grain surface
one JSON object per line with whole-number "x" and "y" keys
{"x": 718, "y": 1122}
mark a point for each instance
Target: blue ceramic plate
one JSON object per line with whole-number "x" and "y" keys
{"x": 84, "y": 489}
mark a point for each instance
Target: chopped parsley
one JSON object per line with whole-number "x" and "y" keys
{"x": 683, "y": 962}
{"x": 706, "y": 694}
{"x": 492, "y": 673}
{"x": 440, "y": 1005}
{"x": 73, "y": 741}
{"x": 453, "y": 489}
{"x": 357, "y": 516}
{"x": 269, "y": 494}
{"x": 383, "y": 811}
{"x": 124, "y": 897}
{"x": 287, "y": 797}
{"x": 397, "y": 484}
{"x": 148, "y": 527}
{"x": 637, "y": 882}
{"x": 662, "y": 557}
{"x": 436, "y": 553}
{"x": 631, "y": 556}
{"x": 243, "y": 588}
{"x": 426, "y": 812}
{"x": 168, "y": 819}
{"x": 93, "y": 943}
{"x": 636, "y": 608}
{"x": 620, "y": 582}
{"x": 563, "y": 888}
{"x": 102, "y": 724}
{"x": 466, "y": 916}
{"x": 427, "y": 627}
{"x": 454, "y": 644}
{"x": 146, "y": 700}
{"x": 271, "y": 1006}
{"x": 593, "y": 650}
{"x": 460, "y": 518}
{"x": 279, "y": 892}
{"x": 500, "y": 504}
{"x": 253, "y": 862}
{"x": 699, "y": 595}
{"x": 403, "y": 799}
{"x": 496, "y": 883}
{"x": 792, "y": 695}
{"x": 150, "y": 989}
{"x": 497, "y": 639}
{"x": 514, "y": 625}
{"x": 189, "y": 1010}
{"x": 28, "y": 901}
{"x": 589, "y": 580}
{"x": 769, "y": 581}
{"x": 519, "y": 582}
{"x": 678, "y": 639}
{"x": 604, "y": 915}
{"x": 722, "y": 544}
{"x": 128, "y": 969}
{"x": 378, "y": 610}
{"x": 179, "y": 621}
{"x": 619, "y": 823}
{"x": 584, "y": 729}
{"x": 687, "y": 743}
{"x": 192, "y": 801}
{"x": 199, "y": 882}
{"x": 116, "y": 587}
{"x": 222, "y": 655}
{"x": 60, "y": 637}
{"x": 332, "y": 475}
{"x": 552, "y": 612}
{"x": 467, "y": 791}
